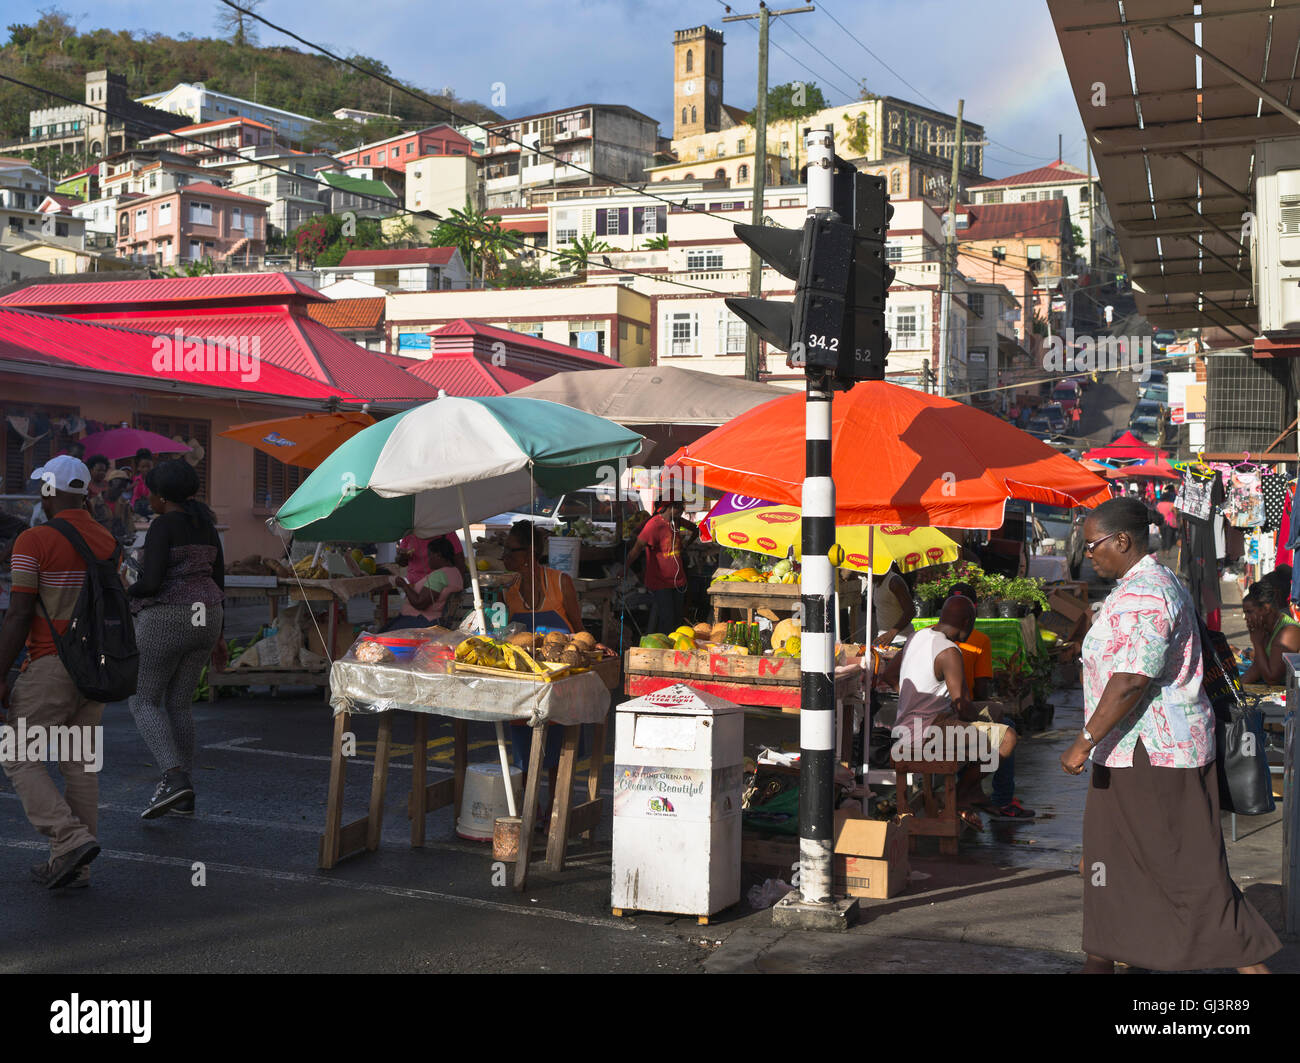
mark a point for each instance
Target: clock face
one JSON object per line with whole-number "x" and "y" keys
{"x": 713, "y": 88}
{"x": 688, "y": 88}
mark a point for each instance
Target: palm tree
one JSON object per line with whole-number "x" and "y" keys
{"x": 578, "y": 253}
{"x": 479, "y": 238}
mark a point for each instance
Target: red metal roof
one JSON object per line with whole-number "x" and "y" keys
{"x": 126, "y": 295}
{"x": 215, "y": 122}
{"x": 524, "y": 225}
{"x": 265, "y": 307}
{"x": 463, "y": 375}
{"x": 362, "y": 313}
{"x": 46, "y": 339}
{"x": 991, "y": 221}
{"x": 62, "y": 200}
{"x": 413, "y": 256}
{"x": 1056, "y": 173}
{"x": 462, "y": 327}
{"x": 206, "y": 188}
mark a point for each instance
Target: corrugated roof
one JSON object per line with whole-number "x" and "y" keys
{"x": 47, "y": 339}
{"x": 125, "y": 295}
{"x": 463, "y": 375}
{"x": 360, "y": 313}
{"x": 358, "y": 370}
{"x": 991, "y": 221}
{"x": 462, "y": 327}
{"x": 411, "y": 256}
{"x": 1056, "y": 173}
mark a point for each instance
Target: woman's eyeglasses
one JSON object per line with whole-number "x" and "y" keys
{"x": 1089, "y": 547}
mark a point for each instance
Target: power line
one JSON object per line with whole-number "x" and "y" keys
{"x": 851, "y": 96}
{"x": 904, "y": 80}
{"x": 391, "y": 83}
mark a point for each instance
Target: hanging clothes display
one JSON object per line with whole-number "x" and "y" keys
{"x": 1274, "y": 488}
{"x": 1244, "y": 506}
{"x": 1202, "y": 494}
{"x": 1284, "y": 551}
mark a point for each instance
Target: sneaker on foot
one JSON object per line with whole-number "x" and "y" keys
{"x": 62, "y": 870}
{"x": 172, "y": 790}
{"x": 1013, "y": 810}
{"x": 41, "y": 876}
{"x": 183, "y": 807}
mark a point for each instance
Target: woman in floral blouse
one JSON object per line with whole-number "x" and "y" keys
{"x": 1157, "y": 892}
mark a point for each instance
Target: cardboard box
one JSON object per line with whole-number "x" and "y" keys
{"x": 870, "y": 857}
{"x": 1067, "y": 605}
{"x": 1062, "y": 626}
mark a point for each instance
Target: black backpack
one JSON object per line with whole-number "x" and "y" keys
{"x": 98, "y": 648}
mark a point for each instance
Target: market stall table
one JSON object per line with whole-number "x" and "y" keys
{"x": 338, "y": 592}
{"x": 382, "y": 689}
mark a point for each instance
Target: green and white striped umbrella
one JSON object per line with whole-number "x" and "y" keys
{"x": 442, "y": 465}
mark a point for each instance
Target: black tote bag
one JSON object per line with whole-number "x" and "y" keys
{"x": 1245, "y": 784}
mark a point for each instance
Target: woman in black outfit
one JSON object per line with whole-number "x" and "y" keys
{"x": 178, "y": 606}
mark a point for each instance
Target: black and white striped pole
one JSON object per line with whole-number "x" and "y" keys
{"x": 817, "y": 594}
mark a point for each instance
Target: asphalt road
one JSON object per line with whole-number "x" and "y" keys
{"x": 261, "y": 784}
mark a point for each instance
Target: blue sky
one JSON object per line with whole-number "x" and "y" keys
{"x": 1000, "y": 55}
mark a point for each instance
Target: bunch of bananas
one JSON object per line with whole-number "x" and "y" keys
{"x": 304, "y": 569}
{"x": 491, "y": 653}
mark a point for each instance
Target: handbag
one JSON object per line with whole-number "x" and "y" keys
{"x": 1241, "y": 761}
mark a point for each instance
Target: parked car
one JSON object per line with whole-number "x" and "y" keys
{"x": 1040, "y": 427}
{"x": 1055, "y": 415}
{"x": 1147, "y": 414}
{"x": 1157, "y": 393}
{"x": 1157, "y": 376}
{"x": 1148, "y": 433}
{"x": 1067, "y": 394}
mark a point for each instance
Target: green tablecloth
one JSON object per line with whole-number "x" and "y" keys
{"x": 1006, "y": 635}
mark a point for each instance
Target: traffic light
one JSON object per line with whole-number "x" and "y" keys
{"x": 837, "y": 318}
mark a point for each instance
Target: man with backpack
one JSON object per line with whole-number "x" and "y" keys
{"x": 55, "y": 611}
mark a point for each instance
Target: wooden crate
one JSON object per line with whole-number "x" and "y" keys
{"x": 707, "y": 663}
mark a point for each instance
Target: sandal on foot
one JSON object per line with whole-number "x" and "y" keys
{"x": 970, "y": 818}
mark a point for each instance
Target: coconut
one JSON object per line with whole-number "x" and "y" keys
{"x": 718, "y": 633}
{"x": 585, "y": 640}
{"x": 553, "y": 651}
{"x": 556, "y": 638}
{"x": 524, "y": 640}
{"x": 573, "y": 656}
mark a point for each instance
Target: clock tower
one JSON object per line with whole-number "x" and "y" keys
{"x": 697, "y": 81}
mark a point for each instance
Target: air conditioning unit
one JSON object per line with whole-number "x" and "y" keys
{"x": 1275, "y": 235}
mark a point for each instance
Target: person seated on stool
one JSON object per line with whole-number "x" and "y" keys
{"x": 427, "y": 600}
{"x": 932, "y": 695}
{"x": 540, "y": 598}
{"x": 977, "y": 659}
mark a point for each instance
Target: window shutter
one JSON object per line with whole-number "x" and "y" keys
{"x": 601, "y": 215}
{"x": 661, "y": 219}
{"x": 622, "y": 221}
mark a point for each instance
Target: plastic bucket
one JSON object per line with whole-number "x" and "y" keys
{"x": 484, "y": 800}
{"x": 564, "y": 551}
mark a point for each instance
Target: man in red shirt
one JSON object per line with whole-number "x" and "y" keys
{"x": 662, "y": 539}
{"x": 47, "y": 567}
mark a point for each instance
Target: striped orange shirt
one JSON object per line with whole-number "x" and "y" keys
{"x": 45, "y": 563}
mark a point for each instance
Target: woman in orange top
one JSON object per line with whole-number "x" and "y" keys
{"x": 542, "y": 597}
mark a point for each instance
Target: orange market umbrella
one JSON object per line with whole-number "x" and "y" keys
{"x": 899, "y": 456}
{"x": 306, "y": 440}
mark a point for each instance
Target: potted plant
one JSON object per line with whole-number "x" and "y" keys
{"x": 1020, "y": 594}
{"x": 991, "y": 589}
{"x": 929, "y": 595}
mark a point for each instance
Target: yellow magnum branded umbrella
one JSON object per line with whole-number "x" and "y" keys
{"x": 774, "y": 530}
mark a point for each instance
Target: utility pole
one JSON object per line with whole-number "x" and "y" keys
{"x": 949, "y": 265}
{"x": 1092, "y": 200}
{"x": 764, "y": 15}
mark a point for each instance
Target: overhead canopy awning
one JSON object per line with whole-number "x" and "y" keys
{"x": 654, "y": 395}
{"x": 1173, "y": 102}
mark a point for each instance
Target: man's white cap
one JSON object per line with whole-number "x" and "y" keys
{"x": 64, "y": 473}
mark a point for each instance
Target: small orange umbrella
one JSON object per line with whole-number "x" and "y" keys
{"x": 899, "y": 456}
{"x": 306, "y": 440}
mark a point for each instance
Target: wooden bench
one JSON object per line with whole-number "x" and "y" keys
{"x": 942, "y": 823}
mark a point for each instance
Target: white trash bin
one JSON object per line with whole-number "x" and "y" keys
{"x": 678, "y": 779}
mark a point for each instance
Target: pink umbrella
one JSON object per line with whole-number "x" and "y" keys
{"x": 124, "y": 442}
